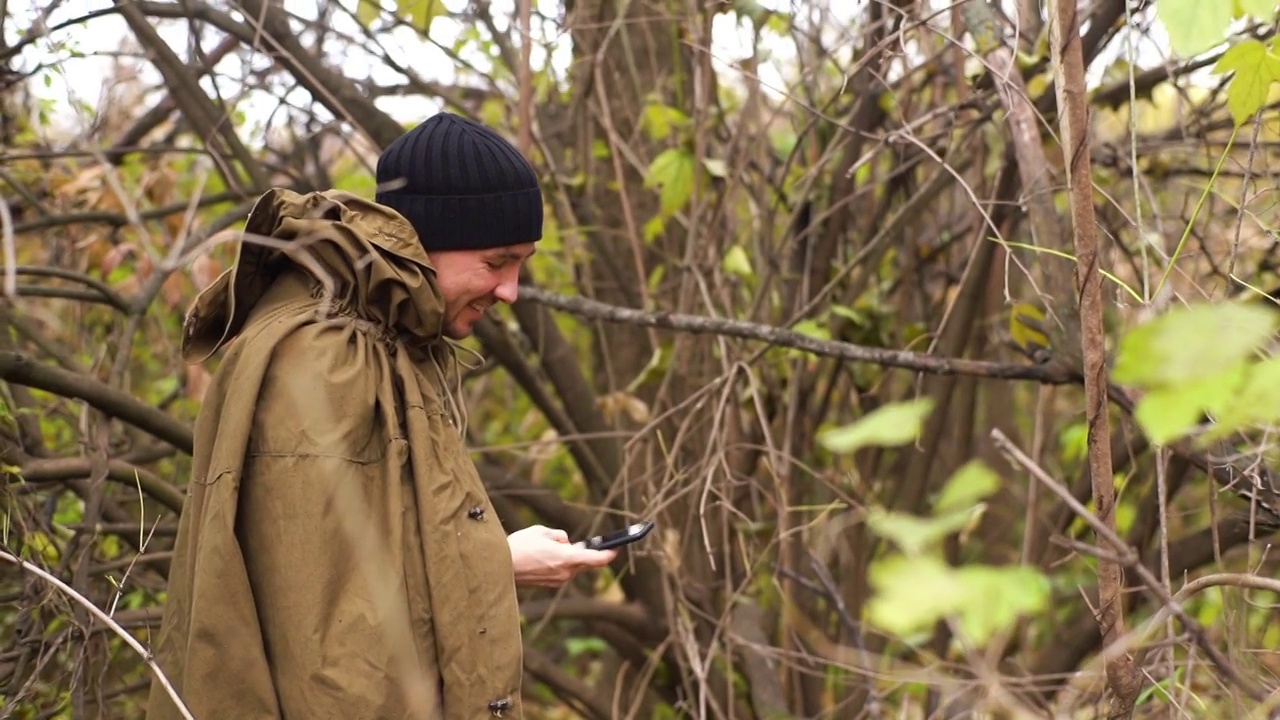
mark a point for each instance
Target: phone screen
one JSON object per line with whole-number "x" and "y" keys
{"x": 618, "y": 538}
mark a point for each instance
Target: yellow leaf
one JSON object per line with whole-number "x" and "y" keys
{"x": 1026, "y": 326}
{"x": 367, "y": 11}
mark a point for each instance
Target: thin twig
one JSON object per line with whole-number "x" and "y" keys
{"x": 10, "y": 251}
{"x": 97, "y": 612}
{"x": 1131, "y": 560}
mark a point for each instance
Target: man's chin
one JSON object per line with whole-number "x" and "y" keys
{"x": 458, "y": 331}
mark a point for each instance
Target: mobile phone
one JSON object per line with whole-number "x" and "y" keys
{"x": 618, "y": 538}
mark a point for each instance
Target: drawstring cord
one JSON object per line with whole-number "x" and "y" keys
{"x": 453, "y": 395}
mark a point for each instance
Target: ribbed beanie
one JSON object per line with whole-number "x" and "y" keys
{"x": 461, "y": 185}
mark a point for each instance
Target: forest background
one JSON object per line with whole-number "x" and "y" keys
{"x": 936, "y": 337}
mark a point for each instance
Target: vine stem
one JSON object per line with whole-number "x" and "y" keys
{"x": 98, "y": 613}
{"x": 1123, "y": 678}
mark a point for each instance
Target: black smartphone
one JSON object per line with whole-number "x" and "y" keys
{"x": 618, "y": 538}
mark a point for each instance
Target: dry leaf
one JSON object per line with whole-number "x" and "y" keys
{"x": 174, "y": 290}
{"x": 112, "y": 258}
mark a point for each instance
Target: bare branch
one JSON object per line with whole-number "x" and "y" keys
{"x": 118, "y": 471}
{"x": 1073, "y": 110}
{"x": 1050, "y": 374}
{"x": 106, "y": 620}
{"x": 18, "y": 368}
{"x": 1131, "y": 560}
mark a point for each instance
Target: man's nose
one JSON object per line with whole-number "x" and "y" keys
{"x": 509, "y": 289}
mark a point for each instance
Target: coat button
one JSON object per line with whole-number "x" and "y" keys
{"x": 476, "y": 513}
{"x": 497, "y": 707}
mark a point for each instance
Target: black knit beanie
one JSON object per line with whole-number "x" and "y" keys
{"x": 461, "y": 185}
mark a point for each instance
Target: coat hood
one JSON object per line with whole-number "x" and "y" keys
{"x": 366, "y": 257}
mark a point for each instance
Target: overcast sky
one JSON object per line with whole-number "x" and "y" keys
{"x": 84, "y": 78}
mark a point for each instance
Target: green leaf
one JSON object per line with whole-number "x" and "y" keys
{"x": 1255, "y": 401}
{"x": 856, "y": 317}
{"x": 655, "y": 370}
{"x": 1255, "y": 68}
{"x": 811, "y": 328}
{"x": 1172, "y": 348}
{"x": 576, "y": 646}
{"x": 915, "y": 535}
{"x": 969, "y": 485}
{"x": 1263, "y": 10}
{"x": 1074, "y": 440}
{"x": 1194, "y": 26}
{"x": 1167, "y": 413}
{"x": 736, "y": 263}
{"x": 673, "y": 171}
{"x": 420, "y": 13}
{"x": 654, "y": 228}
{"x": 994, "y": 598}
{"x": 911, "y": 593}
{"x": 659, "y": 120}
{"x": 888, "y": 426}
{"x": 111, "y": 546}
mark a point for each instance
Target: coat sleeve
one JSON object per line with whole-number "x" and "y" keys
{"x": 326, "y": 521}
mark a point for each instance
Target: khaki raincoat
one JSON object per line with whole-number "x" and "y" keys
{"x": 338, "y": 556}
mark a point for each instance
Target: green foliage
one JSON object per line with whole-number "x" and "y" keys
{"x": 1172, "y": 347}
{"x": 1184, "y": 378}
{"x": 1197, "y": 26}
{"x": 1194, "y": 26}
{"x": 737, "y": 263}
{"x": 660, "y": 121}
{"x": 1256, "y": 67}
{"x": 915, "y": 588}
{"x": 888, "y": 426}
{"x": 674, "y": 172}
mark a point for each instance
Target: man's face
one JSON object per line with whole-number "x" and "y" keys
{"x": 472, "y": 280}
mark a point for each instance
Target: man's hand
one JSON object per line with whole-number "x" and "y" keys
{"x": 543, "y": 556}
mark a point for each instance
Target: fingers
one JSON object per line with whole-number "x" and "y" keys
{"x": 553, "y": 534}
{"x": 595, "y": 558}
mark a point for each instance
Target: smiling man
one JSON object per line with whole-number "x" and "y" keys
{"x": 337, "y": 555}
{"x": 475, "y": 202}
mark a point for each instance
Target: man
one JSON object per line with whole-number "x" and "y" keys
{"x": 338, "y": 556}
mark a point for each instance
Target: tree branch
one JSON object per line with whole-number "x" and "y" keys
{"x": 566, "y": 685}
{"x": 119, "y": 471}
{"x": 97, "y": 612}
{"x": 545, "y": 503}
{"x": 630, "y": 616}
{"x": 1123, "y": 678}
{"x": 20, "y": 369}
{"x": 337, "y": 93}
{"x": 1050, "y": 374}
{"x": 208, "y": 121}
{"x": 118, "y": 219}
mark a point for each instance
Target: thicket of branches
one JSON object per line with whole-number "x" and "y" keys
{"x": 871, "y": 211}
